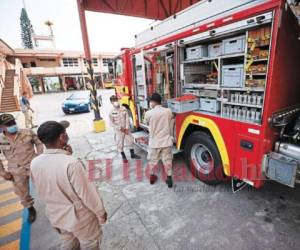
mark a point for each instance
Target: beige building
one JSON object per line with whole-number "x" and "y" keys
{"x": 67, "y": 68}
{"x": 13, "y": 80}
{"x": 42, "y": 71}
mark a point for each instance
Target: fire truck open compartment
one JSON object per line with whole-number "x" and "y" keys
{"x": 226, "y": 72}
{"x": 225, "y": 76}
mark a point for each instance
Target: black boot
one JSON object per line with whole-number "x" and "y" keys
{"x": 124, "y": 157}
{"x": 169, "y": 181}
{"x": 133, "y": 155}
{"x": 31, "y": 215}
{"x": 153, "y": 179}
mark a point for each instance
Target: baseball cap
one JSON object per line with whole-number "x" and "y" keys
{"x": 6, "y": 119}
{"x": 49, "y": 131}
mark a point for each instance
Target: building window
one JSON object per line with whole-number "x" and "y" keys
{"x": 105, "y": 61}
{"x": 32, "y": 64}
{"x": 94, "y": 61}
{"x": 70, "y": 62}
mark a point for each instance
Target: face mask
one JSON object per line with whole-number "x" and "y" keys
{"x": 12, "y": 129}
{"x": 116, "y": 104}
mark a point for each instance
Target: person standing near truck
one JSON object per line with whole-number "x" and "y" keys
{"x": 19, "y": 147}
{"x": 119, "y": 119}
{"x": 160, "y": 122}
{"x": 73, "y": 204}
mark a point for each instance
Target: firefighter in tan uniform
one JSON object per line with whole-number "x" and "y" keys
{"x": 119, "y": 119}
{"x": 73, "y": 204}
{"x": 160, "y": 121}
{"x": 19, "y": 147}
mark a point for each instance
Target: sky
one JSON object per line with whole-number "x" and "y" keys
{"x": 107, "y": 33}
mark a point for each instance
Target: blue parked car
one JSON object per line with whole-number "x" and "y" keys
{"x": 78, "y": 102}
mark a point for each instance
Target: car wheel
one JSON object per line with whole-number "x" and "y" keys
{"x": 203, "y": 158}
{"x": 66, "y": 113}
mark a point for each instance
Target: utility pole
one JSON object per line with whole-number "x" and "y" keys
{"x": 99, "y": 123}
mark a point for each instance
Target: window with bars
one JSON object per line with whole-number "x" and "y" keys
{"x": 70, "y": 62}
{"x": 94, "y": 61}
{"x": 106, "y": 61}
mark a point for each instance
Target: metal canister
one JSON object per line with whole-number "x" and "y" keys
{"x": 241, "y": 96}
{"x": 240, "y": 114}
{"x": 259, "y": 100}
{"x": 254, "y": 99}
{"x": 236, "y": 96}
{"x": 253, "y": 112}
{"x": 248, "y": 115}
{"x": 245, "y": 96}
{"x": 232, "y": 97}
{"x": 235, "y": 112}
{"x": 231, "y": 112}
{"x": 244, "y": 113}
{"x": 249, "y": 99}
{"x": 257, "y": 115}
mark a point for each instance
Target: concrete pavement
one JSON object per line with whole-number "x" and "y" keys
{"x": 190, "y": 216}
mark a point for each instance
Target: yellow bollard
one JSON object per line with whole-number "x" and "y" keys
{"x": 99, "y": 126}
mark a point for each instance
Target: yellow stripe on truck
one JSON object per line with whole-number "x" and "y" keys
{"x": 125, "y": 101}
{"x": 213, "y": 128}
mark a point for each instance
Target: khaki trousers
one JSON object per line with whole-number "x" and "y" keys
{"x": 87, "y": 238}
{"x": 21, "y": 188}
{"x": 165, "y": 154}
{"x": 123, "y": 139}
{"x": 28, "y": 119}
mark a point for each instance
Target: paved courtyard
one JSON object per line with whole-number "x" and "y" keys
{"x": 189, "y": 216}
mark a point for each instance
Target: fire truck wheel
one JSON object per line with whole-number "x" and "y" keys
{"x": 203, "y": 158}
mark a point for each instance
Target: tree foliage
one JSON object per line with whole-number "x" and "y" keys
{"x": 26, "y": 30}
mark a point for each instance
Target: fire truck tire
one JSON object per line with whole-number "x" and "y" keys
{"x": 203, "y": 158}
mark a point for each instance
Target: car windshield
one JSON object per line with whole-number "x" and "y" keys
{"x": 78, "y": 96}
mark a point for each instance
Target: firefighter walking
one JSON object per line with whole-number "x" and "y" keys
{"x": 160, "y": 122}
{"x": 19, "y": 147}
{"x": 73, "y": 204}
{"x": 119, "y": 120}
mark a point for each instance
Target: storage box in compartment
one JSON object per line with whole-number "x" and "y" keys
{"x": 209, "y": 105}
{"x": 234, "y": 45}
{"x": 209, "y": 93}
{"x": 196, "y": 52}
{"x": 233, "y": 76}
{"x": 195, "y": 92}
{"x": 183, "y": 106}
{"x": 214, "y": 50}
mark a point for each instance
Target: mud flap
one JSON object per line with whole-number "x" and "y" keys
{"x": 237, "y": 185}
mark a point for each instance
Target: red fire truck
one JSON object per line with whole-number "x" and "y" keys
{"x": 229, "y": 71}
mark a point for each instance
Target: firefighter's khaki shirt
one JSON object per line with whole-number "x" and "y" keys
{"x": 119, "y": 118}
{"x": 20, "y": 152}
{"x": 72, "y": 202}
{"x": 160, "y": 122}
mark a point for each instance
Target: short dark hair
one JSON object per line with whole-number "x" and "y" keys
{"x": 155, "y": 97}
{"x": 113, "y": 98}
{"x": 49, "y": 132}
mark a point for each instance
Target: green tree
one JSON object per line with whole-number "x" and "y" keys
{"x": 26, "y": 30}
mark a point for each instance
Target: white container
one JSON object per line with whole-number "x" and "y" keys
{"x": 196, "y": 52}
{"x": 209, "y": 105}
{"x": 214, "y": 50}
{"x": 183, "y": 106}
{"x": 233, "y": 76}
{"x": 233, "y": 45}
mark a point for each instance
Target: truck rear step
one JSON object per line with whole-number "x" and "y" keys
{"x": 141, "y": 140}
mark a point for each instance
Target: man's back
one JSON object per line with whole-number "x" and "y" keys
{"x": 61, "y": 182}
{"x": 160, "y": 127}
